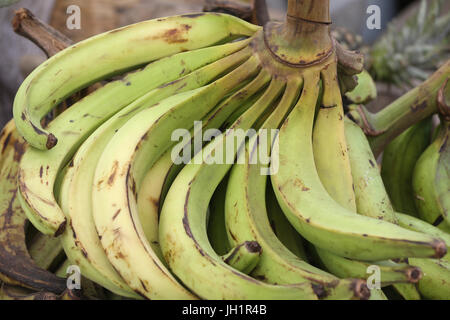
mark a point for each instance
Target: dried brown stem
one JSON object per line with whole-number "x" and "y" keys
{"x": 234, "y": 8}
{"x": 50, "y": 40}
{"x": 260, "y": 12}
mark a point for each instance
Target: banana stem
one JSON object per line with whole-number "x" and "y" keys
{"x": 310, "y": 10}
{"x": 409, "y": 109}
{"x": 303, "y": 38}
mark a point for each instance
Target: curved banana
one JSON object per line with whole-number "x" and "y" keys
{"x": 16, "y": 265}
{"x": 244, "y": 257}
{"x": 431, "y": 182}
{"x": 160, "y": 176}
{"x": 371, "y": 197}
{"x": 329, "y": 142}
{"x": 183, "y": 222}
{"x": 355, "y": 159}
{"x": 281, "y": 227}
{"x": 217, "y": 233}
{"x": 120, "y": 171}
{"x": 390, "y": 272}
{"x": 399, "y": 159}
{"x": 80, "y": 240}
{"x": 247, "y": 218}
{"x": 112, "y": 53}
{"x": 39, "y": 169}
{"x": 315, "y": 215}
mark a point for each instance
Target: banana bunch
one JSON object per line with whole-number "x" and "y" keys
{"x": 217, "y": 164}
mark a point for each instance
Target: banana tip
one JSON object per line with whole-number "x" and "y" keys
{"x": 61, "y": 229}
{"x": 360, "y": 289}
{"x": 51, "y": 141}
{"x": 414, "y": 274}
{"x": 440, "y": 249}
{"x": 253, "y": 247}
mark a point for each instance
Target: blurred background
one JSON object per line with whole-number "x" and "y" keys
{"x": 19, "y": 56}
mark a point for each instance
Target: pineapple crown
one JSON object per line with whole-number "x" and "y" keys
{"x": 409, "y": 55}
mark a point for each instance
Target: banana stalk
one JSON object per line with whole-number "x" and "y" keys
{"x": 411, "y": 108}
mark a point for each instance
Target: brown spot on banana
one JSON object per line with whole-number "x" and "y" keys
{"x": 116, "y": 214}
{"x": 113, "y": 173}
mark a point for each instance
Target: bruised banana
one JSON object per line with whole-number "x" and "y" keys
{"x": 399, "y": 159}
{"x": 319, "y": 218}
{"x": 16, "y": 265}
{"x": 39, "y": 169}
{"x": 247, "y": 217}
{"x": 113, "y": 53}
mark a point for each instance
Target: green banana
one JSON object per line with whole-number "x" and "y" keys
{"x": 399, "y": 159}
{"x": 415, "y": 224}
{"x": 160, "y": 176}
{"x": 80, "y": 239}
{"x": 46, "y": 251}
{"x": 435, "y": 283}
{"x": 158, "y": 179}
{"x": 244, "y": 257}
{"x": 377, "y": 294}
{"x": 16, "y": 265}
{"x": 177, "y": 112}
{"x": 365, "y": 91}
{"x": 329, "y": 143}
{"x": 407, "y": 291}
{"x": 247, "y": 214}
{"x": 315, "y": 215}
{"x": 113, "y": 53}
{"x": 183, "y": 222}
{"x": 356, "y": 159}
{"x": 390, "y": 272}
{"x": 430, "y": 179}
{"x": 39, "y": 169}
{"x": 217, "y": 233}
{"x": 281, "y": 227}
{"x": 371, "y": 196}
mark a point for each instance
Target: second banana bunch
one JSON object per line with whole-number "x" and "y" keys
{"x": 298, "y": 209}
